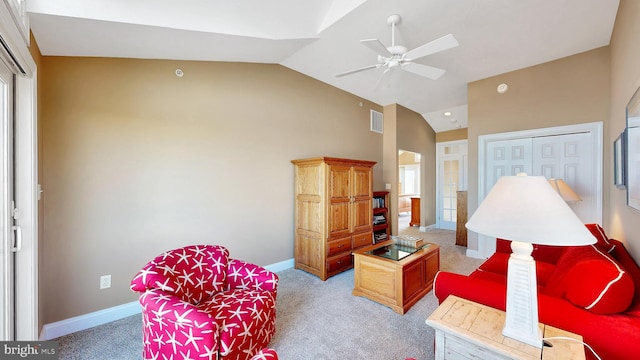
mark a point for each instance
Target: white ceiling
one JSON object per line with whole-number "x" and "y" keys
{"x": 321, "y": 38}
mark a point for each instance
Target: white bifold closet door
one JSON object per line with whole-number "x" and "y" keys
{"x": 569, "y": 157}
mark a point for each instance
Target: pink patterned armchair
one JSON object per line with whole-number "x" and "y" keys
{"x": 266, "y": 354}
{"x": 197, "y": 303}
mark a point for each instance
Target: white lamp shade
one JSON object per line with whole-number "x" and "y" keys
{"x": 528, "y": 209}
{"x": 565, "y": 191}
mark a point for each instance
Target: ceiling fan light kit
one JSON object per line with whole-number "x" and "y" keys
{"x": 398, "y": 57}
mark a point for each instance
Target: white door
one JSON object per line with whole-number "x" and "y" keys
{"x": 410, "y": 179}
{"x": 570, "y": 153}
{"x": 7, "y": 223}
{"x": 570, "y": 158}
{"x": 451, "y": 177}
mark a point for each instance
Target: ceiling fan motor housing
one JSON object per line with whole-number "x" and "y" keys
{"x": 397, "y": 50}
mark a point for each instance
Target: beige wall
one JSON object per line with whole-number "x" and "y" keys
{"x": 625, "y": 79}
{"x": 137, "y": 161}
{"x": 415, "y": 134}
{"x": 407, "y": 158}
{"x": 452, "y": 135}
{"x": 570, "y": 90}
{"x": 407, "y": 130}
{"x": 390, "y": 161}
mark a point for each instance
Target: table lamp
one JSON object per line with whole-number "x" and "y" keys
{"x": 526, "y": 210}
{"x": 566, "y": 192}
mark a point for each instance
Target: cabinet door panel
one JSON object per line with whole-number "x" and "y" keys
{"x": 362, "y": 182}
{"x": 339, "y": 201}
{"x": 363, "y": 206}
{"x": 339, "y": 225}
{"x": 362, "y": 215}
{"x": 339, "y": 183}
{"x": 414, "y": 279}
{"x": 432, "y": 265}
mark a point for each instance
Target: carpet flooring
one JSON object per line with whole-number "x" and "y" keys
{"x": 315, "y": 319}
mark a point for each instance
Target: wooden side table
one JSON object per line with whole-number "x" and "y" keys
{"x": 415, "y": 211}
{"x": 461, "y": 218}
{"x": 468, "y": 330}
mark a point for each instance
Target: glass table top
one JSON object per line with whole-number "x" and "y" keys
{"x": 394, "y": 251}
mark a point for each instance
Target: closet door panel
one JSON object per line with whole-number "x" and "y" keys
{"x": 507, "y": 158}
{"x": 570, "y": 158}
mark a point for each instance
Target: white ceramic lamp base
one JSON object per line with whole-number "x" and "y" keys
{"x": 522, "y": 297}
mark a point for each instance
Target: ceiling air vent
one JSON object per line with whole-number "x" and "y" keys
{"x": 376, "y": 121}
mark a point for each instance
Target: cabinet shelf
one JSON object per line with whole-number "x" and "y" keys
{"x": 381, "y": 223}
{"x": 379, "y": 227}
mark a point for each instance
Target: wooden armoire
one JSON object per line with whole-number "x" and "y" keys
{"x": 333, "y": 213}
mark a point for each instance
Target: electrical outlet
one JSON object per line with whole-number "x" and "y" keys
{"x": 105, "y": 281}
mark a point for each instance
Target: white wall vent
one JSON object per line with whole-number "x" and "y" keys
{"x": 377, "y": 121}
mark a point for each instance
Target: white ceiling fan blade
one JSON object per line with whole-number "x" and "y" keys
{"x": 377, "y": 46}
{"x": 357, "y": 70}
{"x": 423, "y": 70}
{"x": 437, "y": 45}
{"x": 384, "y": 79}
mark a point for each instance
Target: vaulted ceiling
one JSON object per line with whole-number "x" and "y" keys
{"x": 321, "y": 38}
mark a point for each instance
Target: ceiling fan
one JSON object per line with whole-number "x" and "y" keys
{"x": 397, "y": 56}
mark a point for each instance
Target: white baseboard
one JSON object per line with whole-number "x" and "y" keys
{"x": 474, "y": 254}
{"x": 428, "y": 227}
{"x": 86, "y": 321}
{"x": 280, "y": 266}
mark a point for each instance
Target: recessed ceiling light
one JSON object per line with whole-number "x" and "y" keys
{"x": 447, "y": 113}
{"x": 453, "y": 120}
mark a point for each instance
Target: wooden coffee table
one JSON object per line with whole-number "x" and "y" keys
{"x": 397, "y": 284}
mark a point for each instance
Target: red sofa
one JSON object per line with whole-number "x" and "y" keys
{"x": 588, "y": 290}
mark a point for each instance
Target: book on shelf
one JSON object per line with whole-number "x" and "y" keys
{"x": 378, "y": 202}
{"x": 379, "y": 219}
{"x": 407, "y": 240}
{"x": 378, "y": 237}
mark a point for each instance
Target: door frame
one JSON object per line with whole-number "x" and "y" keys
{"x": 486, "y": 247}
{"x": 463, "y": 185}
{"x": 16, "y": 35}
{"x": 27, "y": 196}
{"x": 7, "y": 171}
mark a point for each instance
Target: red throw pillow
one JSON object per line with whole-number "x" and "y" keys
{"x": 603, "y": 242}
{"x": 590, "y": 278}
